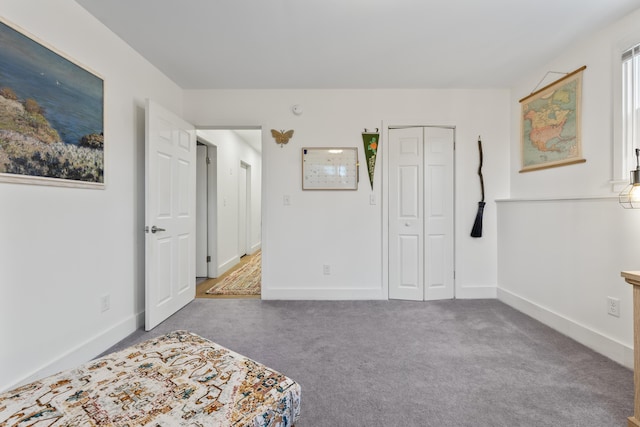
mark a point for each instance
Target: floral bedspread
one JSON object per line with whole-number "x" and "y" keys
{"x": 179, "y": 379}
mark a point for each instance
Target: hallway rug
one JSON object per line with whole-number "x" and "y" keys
{"x": 244, "y": 280}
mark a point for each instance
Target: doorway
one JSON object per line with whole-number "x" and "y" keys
{"x": 233, "y": 215}
{"x": 420, "y": 206}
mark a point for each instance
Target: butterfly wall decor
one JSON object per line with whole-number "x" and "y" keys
{"x": 282, "y": 137}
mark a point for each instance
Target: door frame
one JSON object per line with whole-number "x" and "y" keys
{"x": 202, "y": 211}
{"x": 404, "y": 123}
{"x": 212, "y": 194}
{"x": 248, "y": 211}
{"x": 211, "y": 220}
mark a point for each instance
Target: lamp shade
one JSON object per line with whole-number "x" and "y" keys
{"x": 629, "y": 198}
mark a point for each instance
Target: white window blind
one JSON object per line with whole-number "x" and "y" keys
{"x": 630, "y": 104}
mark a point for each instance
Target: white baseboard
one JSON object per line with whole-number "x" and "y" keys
{"x": 614, "y": 350}
{"x": 255, "y": 248}
{"x": 222, "y": 268}
{"x": 323, "y": 294}
{"x": 476, "y": 292}
{"x": 83, "y": 352}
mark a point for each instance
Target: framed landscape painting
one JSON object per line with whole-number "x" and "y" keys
{"x": 51, "y": 116}
{"x": 550, "y": 124}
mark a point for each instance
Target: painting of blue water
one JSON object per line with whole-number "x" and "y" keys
{"x": 69, "y": 103}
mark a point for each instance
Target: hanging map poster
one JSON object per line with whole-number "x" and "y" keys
{"x": 550, "y": 124}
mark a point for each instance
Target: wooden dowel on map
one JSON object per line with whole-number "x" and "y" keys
{"x": 552, "y": 83}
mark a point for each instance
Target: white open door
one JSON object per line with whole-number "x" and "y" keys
{"x": 170, "y": 190}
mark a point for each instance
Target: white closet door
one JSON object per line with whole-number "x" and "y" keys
{"x": 406, "y": 221}
{"x": 438, "y": 192}
{"x": 421, "y": 252}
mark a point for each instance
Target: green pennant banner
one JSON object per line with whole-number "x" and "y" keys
{"x": 371, "y": 141}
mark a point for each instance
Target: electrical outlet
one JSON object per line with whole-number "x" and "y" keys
{"x": 105, "y": 303}
{"x": 613, "y": 306}
{"x": 326, "y": 269}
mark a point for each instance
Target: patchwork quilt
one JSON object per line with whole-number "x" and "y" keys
{"x": 179, "y": 379}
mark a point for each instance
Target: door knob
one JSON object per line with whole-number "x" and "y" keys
{"x": 155, "y": 229}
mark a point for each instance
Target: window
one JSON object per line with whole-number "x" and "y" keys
{"x": 630, "y": 106}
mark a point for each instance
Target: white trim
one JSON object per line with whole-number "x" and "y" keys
{"x": 476, "y": 292}
{"x": 560, "y": 199}
{"x": 614, "y": 350}
{"x": 83, "y": 352}
{"x": 230, "y": 263}
{"x": 619, "y": 155}
{"x": 618, "y": 185}
{"x": 323, "y": 294}
{"x": 384, "y": 197}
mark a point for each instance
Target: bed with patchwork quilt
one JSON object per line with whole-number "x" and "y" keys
{"x": 179, "y": 379}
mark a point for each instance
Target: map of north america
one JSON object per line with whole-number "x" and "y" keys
{"x": 549, "y": 126}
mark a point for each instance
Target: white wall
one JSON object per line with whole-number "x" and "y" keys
{"x": 61, "y": 248}
{"x": 559, "y": 260}
{"x": 341, "y": 228}
{"x": 231, "y": 151}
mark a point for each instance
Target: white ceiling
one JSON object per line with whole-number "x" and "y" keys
{"x": 318, "y": 44}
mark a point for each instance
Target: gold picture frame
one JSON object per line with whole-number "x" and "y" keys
{"x": 550, "y": 124}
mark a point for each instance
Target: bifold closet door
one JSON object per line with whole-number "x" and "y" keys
{"x": 421, "y": 213}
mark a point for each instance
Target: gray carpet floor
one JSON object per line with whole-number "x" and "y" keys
{"x": 399, "y": 363}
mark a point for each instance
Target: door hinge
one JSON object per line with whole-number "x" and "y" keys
{"x": 208, "y": 160}
{"x": 208, "y": 258}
